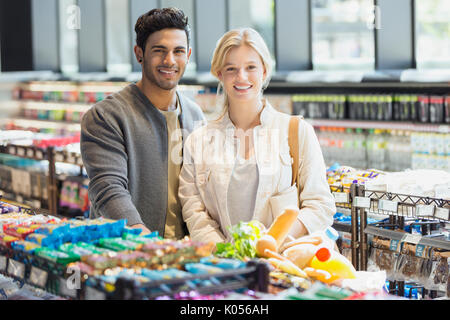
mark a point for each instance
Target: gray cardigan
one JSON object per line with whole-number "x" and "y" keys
{"x": 124, "y": 149}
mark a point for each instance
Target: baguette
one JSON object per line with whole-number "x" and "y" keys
{"x": 283, "y": 224}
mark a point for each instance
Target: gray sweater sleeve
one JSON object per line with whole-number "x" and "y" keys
{"x": 106, "y": 161}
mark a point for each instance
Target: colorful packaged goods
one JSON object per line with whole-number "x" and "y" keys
{"x": 42, "y": 240}
{"x": 19, "y": 232}
{"x": 24, "y": 245}
{"x": 6, "y": 240}
{"x": 56, "y": 256}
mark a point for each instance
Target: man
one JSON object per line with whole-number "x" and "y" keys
{"x": 131, "y": 143}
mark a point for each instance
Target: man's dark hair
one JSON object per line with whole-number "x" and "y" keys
{"x": 159, "y": 19}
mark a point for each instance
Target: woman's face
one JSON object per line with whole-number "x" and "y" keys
{"x": 243, "y": 74}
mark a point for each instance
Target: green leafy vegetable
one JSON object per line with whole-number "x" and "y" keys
{"x": 245, "y": 235}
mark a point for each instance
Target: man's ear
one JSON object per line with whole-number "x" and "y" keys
{"x": 189, "y": 54}
{"x": 139, "y": 53}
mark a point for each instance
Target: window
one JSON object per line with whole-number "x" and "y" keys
{"x": 69, "y": 23}
{"x": 117, "y": 36}
{"x": 342, "y": 36}
{"x": 188, "y": 8}
{"x": 256, "y": 14}
{"x": 433, "y": 34}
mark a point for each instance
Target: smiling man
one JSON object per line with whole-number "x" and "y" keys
{"x": 131, "y": 142}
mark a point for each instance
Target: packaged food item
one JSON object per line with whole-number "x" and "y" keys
{"x": 56, "y": 256}
{"x": 95, "y": 249}
{"x": 42, "y": 240}
{"x": 440, "y": 274}
{"x": 75, "y": 249}
{"x": 200, "y": 268}
{"x": 424, "y": 109}
{"x": 118, "y": 244}
{"x": 53, "y": 229}
{"x": 223, "y": 263}
{"x": 437, "y": 109}
{"x": 19, "y": 232}
{"x": 99, "y": 261}
{"x": 138, "y": 239}
{"x": 24, "y": 245}
{"x": 6, "y": 240}
{"x": 130, "y": 259}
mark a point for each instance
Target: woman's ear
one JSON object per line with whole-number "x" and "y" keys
{"x": 220, "y": 76}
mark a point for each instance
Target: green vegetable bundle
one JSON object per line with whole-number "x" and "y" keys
{"x": 245, "y": 235}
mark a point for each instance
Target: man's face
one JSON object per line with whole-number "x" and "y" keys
{"x": 165, "y": 58}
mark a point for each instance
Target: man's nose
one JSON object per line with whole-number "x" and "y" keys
{"x": 169, "y": 59}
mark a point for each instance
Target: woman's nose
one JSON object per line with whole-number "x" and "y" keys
{"x": 242, "y": 74}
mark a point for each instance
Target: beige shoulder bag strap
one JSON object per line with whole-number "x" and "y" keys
{"x": 293, "y": 147}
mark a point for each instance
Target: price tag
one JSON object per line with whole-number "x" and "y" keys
{"x": 21, "y": 152}
{"x": 387, "y": 205}
{"x": 12, "y": 150}
{"x": 64, "y": 290}
{"x": 38, "y": 277}
{"x": 423, "y": 210}
{"x": 3, "y": 263}
{"x": 30, "y": 153}
{"x": 412, "y": 238}
{"x": 16, "y": 269}
{"x": 39, "y": 155}
{"x": 394, "y": 245}
{"x": 94, "y": 294}
{"x": 442, "y": 213}
{"x": 361, "y": 202}
{"x": 420, "y": 250}
{"x": 59, "y": 157}
{"x": 340, "y": 197}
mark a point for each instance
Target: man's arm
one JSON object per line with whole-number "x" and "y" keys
{"x": 105, "y": 159}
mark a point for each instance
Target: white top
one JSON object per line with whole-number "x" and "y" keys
{"x": 242, "y": 190}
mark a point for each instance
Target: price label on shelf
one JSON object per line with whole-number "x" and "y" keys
{"x": 340, "y": 197}
{"x": 361, "y": 202}
{"x": 442, "y": 213}
{"x": 3, "y": 263}
{"x": 12, "y": 150}
{"x": 38, "y": 277}
{"x": 16, "y": 269}
{"x": 30, "y": 153}
{"x": 388, "y": 205}
{"x": 412, "y": 238}
{"x": 21, "y": 152}
{"x": 423, "y": 210}
{"x": 394, "y": 245}
{"x": 39, "y": 155}
{"x": 59, "y": 157}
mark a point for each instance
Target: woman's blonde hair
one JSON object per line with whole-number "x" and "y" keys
{"x": 233, "y": 39}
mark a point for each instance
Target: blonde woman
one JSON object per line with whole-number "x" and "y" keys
{"x": 238, "y": 168}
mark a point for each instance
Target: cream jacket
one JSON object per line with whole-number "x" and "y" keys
{"x": 208, "y": 160}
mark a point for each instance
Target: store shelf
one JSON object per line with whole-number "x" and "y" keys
{"x": 409, "y": 238}
{"x": 35, "y": 153}
{"x": 43, "y": 124}
{"x": 384, "y": 125}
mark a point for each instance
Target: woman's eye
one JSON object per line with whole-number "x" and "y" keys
{"x": 229, "y": 69}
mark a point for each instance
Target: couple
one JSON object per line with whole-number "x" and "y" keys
{"x": 234, "y": 169}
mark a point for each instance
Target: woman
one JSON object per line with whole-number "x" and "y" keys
{"x": 238, "y": 168}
